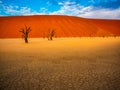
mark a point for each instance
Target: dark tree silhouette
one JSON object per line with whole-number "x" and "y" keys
{"x": 51, "y": 34}
{"x": 25, "y": 31}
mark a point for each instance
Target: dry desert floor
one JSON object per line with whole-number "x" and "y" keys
{"x": 62, "y": 64}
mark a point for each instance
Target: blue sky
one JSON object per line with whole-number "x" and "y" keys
{"x": 106, "y": 9}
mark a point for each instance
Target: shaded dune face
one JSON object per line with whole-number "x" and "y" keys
{"x": 107, "y": 25}
{"x": 64, "y": 26}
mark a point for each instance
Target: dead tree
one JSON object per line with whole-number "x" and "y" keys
{"x": 25, "y": 31}
{"x": 51, "y": 34}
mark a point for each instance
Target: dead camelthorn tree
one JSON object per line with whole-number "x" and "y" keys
{"x": 51, "y": 34}
{"x": 25, "y": 31}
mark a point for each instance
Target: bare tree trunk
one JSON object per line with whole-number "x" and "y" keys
{"x": 50, "y": 37}
{"x": 26, "y": 40}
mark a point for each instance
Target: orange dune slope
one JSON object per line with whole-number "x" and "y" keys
{"x": 64, "y": 26}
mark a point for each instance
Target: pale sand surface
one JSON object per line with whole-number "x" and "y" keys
{"x": 61, "y": 64}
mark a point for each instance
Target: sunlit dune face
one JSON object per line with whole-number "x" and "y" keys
{"x": 64, "y": 26}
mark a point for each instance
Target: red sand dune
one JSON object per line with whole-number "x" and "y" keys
{"x": 64, "y": 26}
